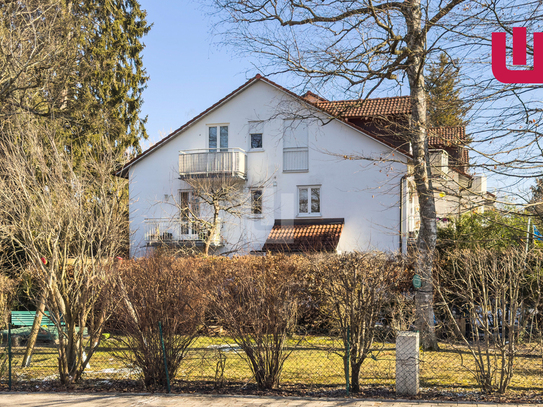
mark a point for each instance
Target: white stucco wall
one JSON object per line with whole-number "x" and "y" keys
{"x": 365, "y": 193}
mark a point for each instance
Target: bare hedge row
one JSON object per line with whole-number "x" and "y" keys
{"x": 259, "y": 301}
{"x": 262, "y": 301}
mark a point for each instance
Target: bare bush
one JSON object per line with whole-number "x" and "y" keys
{"x": 166, "y": 290}
{"x": 499, "y": 292}
{"x": 257, "y": 300}
{"x": 353, "y": 290}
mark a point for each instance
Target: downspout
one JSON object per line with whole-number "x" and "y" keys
{"x": 402, "y": 179}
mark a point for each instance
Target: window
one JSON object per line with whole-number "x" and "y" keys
{"x": 190, "y": 209}
{"x": 222, "y": 140}
{"x": 256, "y": 141}
{"x": 309, "y": 201}
{"x": 255, "y": 135}
{"x": 295, "y": 146}
{"x": 256, "y": 202}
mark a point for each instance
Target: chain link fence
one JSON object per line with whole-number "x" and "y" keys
{"x": 315, "y": 364}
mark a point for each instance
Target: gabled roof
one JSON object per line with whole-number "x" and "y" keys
{"x": 123, "y": 172}
{"x": 368, "y": 107}
{"x": 304, "y": 235}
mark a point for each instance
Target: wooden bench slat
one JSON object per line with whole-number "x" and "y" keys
{"x": 26, "y": 318}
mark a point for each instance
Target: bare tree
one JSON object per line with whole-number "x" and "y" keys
{"x": 215, "y": 201}
{"x": 71, "y": 226}
{"x": 362, "y": 43}
{"x": 35, "y": 47}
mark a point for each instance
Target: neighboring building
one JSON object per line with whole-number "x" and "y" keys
{"x": 286, "y": 154}
{"x": 456, "y": 191}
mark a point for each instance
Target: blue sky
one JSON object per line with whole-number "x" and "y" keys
{"x": 188, "y": 73}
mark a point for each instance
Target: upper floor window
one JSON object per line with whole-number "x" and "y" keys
{"x": 255, "y": 135}
{"x": 309, "y": 201}
{"x": 295, "y": 146}
{"x": 256, "y": 141}
{"x": 218, "y": 138}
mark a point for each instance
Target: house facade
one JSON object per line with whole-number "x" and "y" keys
{"x": 282, "y": 166}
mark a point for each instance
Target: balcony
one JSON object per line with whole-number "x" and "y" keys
{"x": 231, "y": 162}
{"x": 168, "y": 231}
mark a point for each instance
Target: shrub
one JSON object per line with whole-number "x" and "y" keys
{"x": 352, "y": 290}
{"x": 257, "y": 300}
{"x": 8, "y": 290}
{"x": 499, "y": 293}
{"x": 162, "y": 289}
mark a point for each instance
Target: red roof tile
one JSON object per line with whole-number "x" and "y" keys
{"x": 312, "y": 97}
{"x": 446, "y": 135}
{"x": 304, "y": 235}
{"x": 369, "y": 107}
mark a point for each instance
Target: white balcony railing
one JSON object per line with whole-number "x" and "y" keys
{"x": 212, "y": 162}
{"x": 171, "y": 231}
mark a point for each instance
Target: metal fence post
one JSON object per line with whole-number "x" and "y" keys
{"x": 9, "y": 355}
{"x": 348, "y": 361}
{"x": 165, "y": 361}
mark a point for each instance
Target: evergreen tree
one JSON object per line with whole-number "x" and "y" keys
{"x": 445, "y": 104}
{"x": 83, "y": 73}
{"x": 489, "y": 230}
{"x": 110, "y": 79}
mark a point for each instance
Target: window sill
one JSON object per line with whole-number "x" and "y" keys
{"x": 309, "y": 215}
{"x": 255, "y": 216}
{"x": 295, "y": 171}
{"x": 256, "y": 150}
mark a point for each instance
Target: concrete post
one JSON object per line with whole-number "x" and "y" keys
{"x": 407, "y": 363}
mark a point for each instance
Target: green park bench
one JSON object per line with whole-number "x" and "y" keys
{"x": 22, "y": 321}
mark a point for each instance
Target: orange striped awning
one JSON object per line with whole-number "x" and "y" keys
{"x": 304, "y": 235}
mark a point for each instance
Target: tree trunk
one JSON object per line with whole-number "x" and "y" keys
{"x": 213, "y": 230}
{"x": 355, "y": 377}
{"x": 34, "y": 331}
{"x": 426, "y": 242}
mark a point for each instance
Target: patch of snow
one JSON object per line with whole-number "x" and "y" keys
{"x": 227, "y": 347}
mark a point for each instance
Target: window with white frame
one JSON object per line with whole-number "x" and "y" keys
{"x": 256, "y": 132}
{"x": 189, "y": 206}
{"x": 256, "y": 201}
{"x": 295, "y": 146}
{"x": 218, "y": 138}
{"x": 309, "y": 201}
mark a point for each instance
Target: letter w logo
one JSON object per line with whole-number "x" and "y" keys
{"x": 499, "y": 68}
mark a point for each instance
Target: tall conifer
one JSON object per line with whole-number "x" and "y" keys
{"x": 445, "y": 104}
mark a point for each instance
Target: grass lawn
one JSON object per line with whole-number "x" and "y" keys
{"x": 313, "y": 361}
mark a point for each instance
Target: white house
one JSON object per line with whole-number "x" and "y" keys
{"x": 287, "y": 155}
